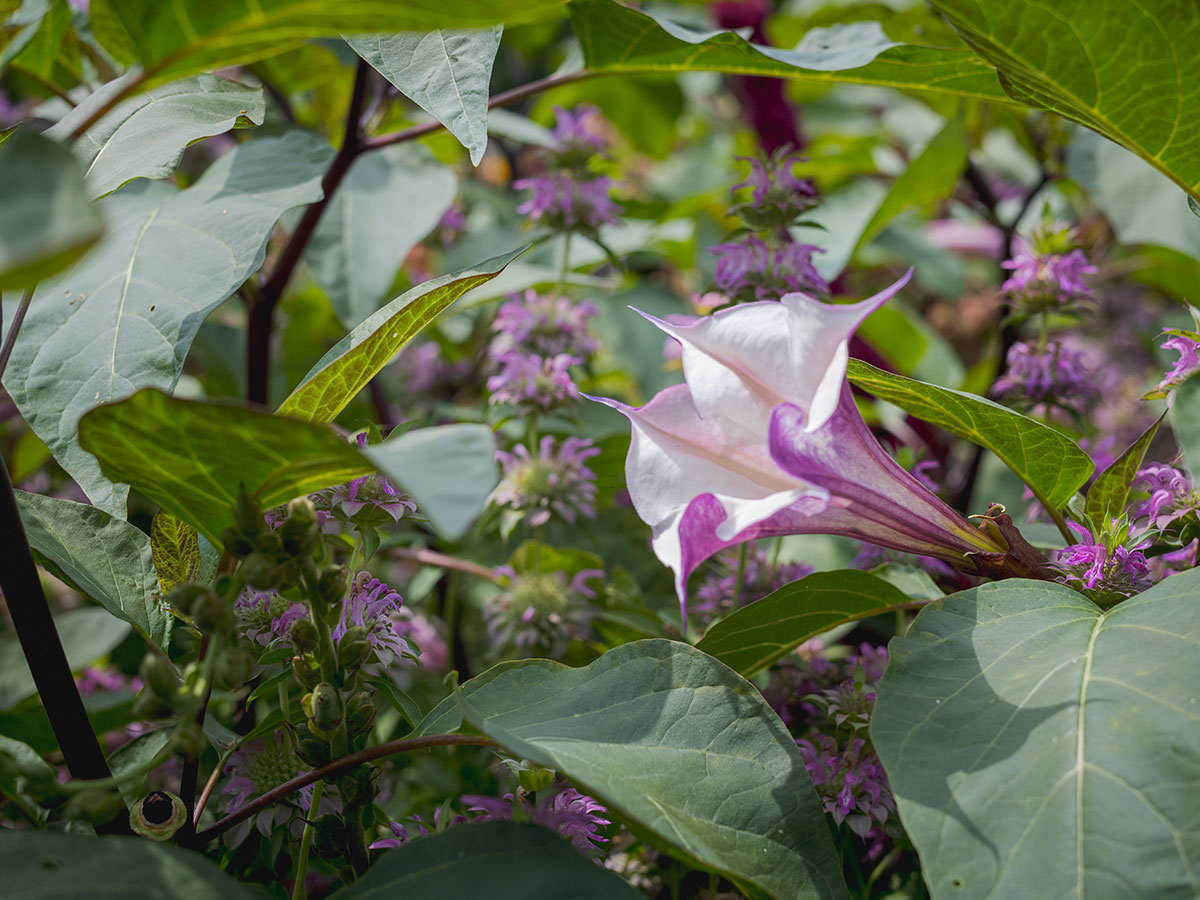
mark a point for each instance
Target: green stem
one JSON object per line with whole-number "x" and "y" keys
{"x": 306, "y": 839}
{"x": 1043, "y": 332}
{"x": 285, "y": 706}
{"x": 564, "y": 263}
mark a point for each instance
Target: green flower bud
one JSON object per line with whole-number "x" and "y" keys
{"x": 304, "y": 636}
{"x": 306, "y": 672}
{"x": 190, "y": 740}
{"x": 148, "y": 705}
{"x": 158, "y": 816}
{"x": 300, "y": 533}
{"x": 44, "y": 792}
{"x": 313, "y": 751}
{"x": 325, "y": 709}
{"x": 359, "y": 787}
{"x": 211, "y": 613}
{"x": 236, "y": 544}
{"x": 159, "y": 676}
{"x": 331, "y": 586}
{"x": 329, "y": 837}
{"x": 183, "y": 596}
{"x": 353, "y": 648}
{"x": 360, "y": 713}
{"x": 262, "y": 572}
{"x": 535, "y": 778}
{"x": 234, "y": 667}
{"x": 96, "y": 807}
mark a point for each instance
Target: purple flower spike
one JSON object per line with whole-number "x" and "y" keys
{"x": 1186, "y": 366}
{"x": 534, "y": 383}
{"x": 1171, "y": 495}
{"x": 256, "y": 767}
{"x": 778, "y": 195}
{"x": 543, "y": 325}
{"x": 750, "y": 270}
{"x": 540, "y": 611}
{"x": 1108, "y": 574}
{"x": 371, "y": 500}
{"x": 578, "y": 129}
{"x": 570, "y": 813}
{"x": 565, "y": 201}
{"x": 264, "y": 617}
{"x": 1055, "y": 376}
{"x": 1048, "y": 279}
{"x": 372, "y": 605}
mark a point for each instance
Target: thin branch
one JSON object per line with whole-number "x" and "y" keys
{"x": 14, "y": 329}
{"x": 504, "y": 99}
{"x": 332, "y": 770}
{"x": 442, "y": 561}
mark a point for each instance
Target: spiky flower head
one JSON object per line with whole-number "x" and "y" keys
{"x": 539, "y": 611}
{"x": 371, "y": 501}
{"x": 1055, "y": 376}
{"x": 401, "y": 834}
{"x": 566, "y": 810}
{"x": 1187, "y": 345}
{"x": 256, "y": 767}
{"x": 1048, "y": 275}
{"x": 565, "y": 202}
{"x": 534, "y": 383}
{"x": 760, "y": 576}
{"x": 1104, "y": 569}
{"x": 749, "y": 270}
{"x": 264, "y": 617}
{"x": 373, "y": 606}
{"x": 543, "y": 325}
{"x": 778, "y": 195}
{"x": 557, "y": 481}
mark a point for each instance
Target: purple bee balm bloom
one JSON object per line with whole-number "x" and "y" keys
{"x": 534, "y": 383}
{"x": 850, "y": 781}
{"x": 778, "y": 195}
{"x": 750, "y": 270}
{"x": 765, "y": 439}
{"x": 759, "y": 577}
{"x": 1187, "y": 364}
{"x": 871, "y": 556}
{"x": 539, "y": 611}
{"x": 570, "y": 813}
{"x": 544, "y": 325}
{"x": 578, "y": 129}
{"x": 370, "y": 500}
{"x": 256, "y": 767}
{"x": 265, "y": 617}
{"x": 556, "y": 481}
{"x": 400, "y": 834}
{"x": 1090, "y": 566}
{"x": 105, "y": 679}
{"x": 567, "y": 201}
{"x": 1055, "y": 376}
{"x": 1051, "y": 278}
{"x": 1171, "y": 494}
{"x": 371, "y": 605}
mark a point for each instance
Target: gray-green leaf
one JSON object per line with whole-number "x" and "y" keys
{"x": 390, "y": 200}
{"x": 106, "y": 558}
{"x": 145, "y": 136}
{"x": 447, "y": 73}
{"x": 46, "y": 221}
{"x": 1039, "y": 747}
{"x": 124, "y": 318}
{"x": 514, "y": 861}
{"x": 1049, "y": 462}
{"x": 44, "y": 865}
{"x": 1108, "y": 493}
{"x": 449, "y": 470}
{"x": 675, "y": 742}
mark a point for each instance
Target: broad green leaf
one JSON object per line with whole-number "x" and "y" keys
{"x": 449, "y": 470}
{"x": 751, "y": 638}
{"x": 398, "y": 699}
{"x": 358, "y": 357}
{"x": 141, "y": 750}
{"x": 104, "y": 557}
{"x": 46, "y": 865}
{"x": 618, "y": 39}
{"x": 19, "y": 22}
{"x": 1126, "y": 70}
{"x": 838, "y": 224}
{"x": 446, "y": 72}
{"x": 675, "y": 743}
{"x": 390, "y": 200}
{"x": 144, "y": 137}
{"x": 1143, "y": 205}
{"x": 87, "y": 634}
{"x": 190, "y": 456}
{"x": 1049, "y": 462}
{"x": 124, "y": 318}
{"x": 171, "y": 40}
{"x": 1039, "y": 747}
{"x": 1185, "y": 422}
{"x": 46, "y": 221}
{"x": 1108, "y": 493}
{"x": 27, "y": 760}
{"x": 44, "y": 49}
{"x": 499, "y": 860}
{"x": 927, "y": 180}
{"x": 175, "y": 548}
